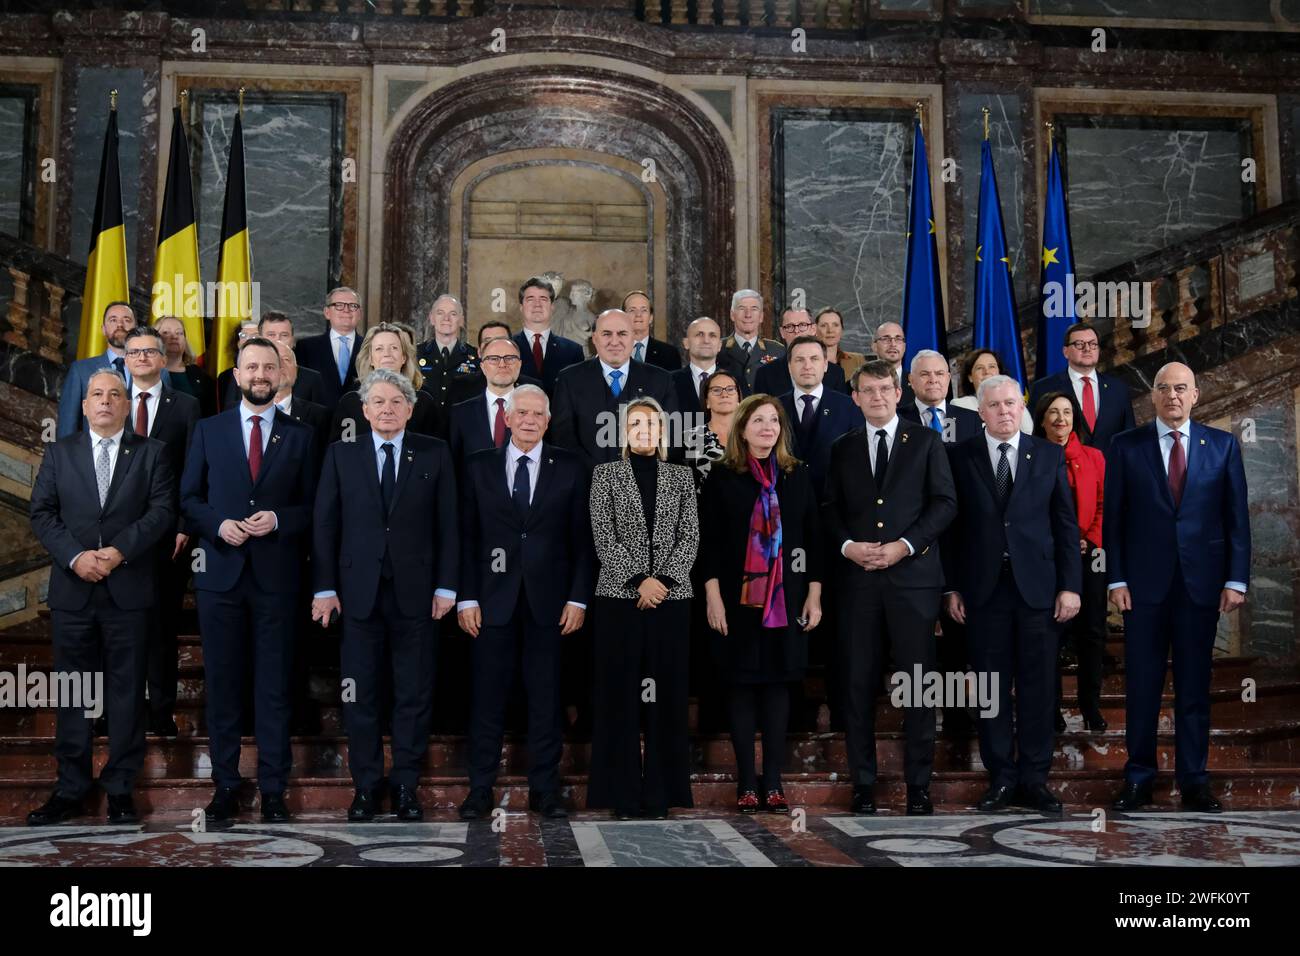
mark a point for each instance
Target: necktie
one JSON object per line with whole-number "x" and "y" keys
{"x": 746, "y": 345}
{"x": 704, "y": 376}
{"x": 935, "y": 421}
{"x": 520, "y": 493}
{"x": 255, "y": 448}
{"x": 537, "y": 351}
{"x": 1089, "y": 404}
{"x": 142, "y": 415}
{"x": 1003, "y": 476}
{"x": 614, "y": 385}
{"x": 639, "y": 352}
{"x": 806, "y": 416}
{"x": 882, "y": 457}
{"x": 1177, "y": 468}
{"x": 388, "y": 481}
{"x": 446, "y": 357}
{"x": 119, "y": 363}
{"x": 345, "y": 357}
{"x": 499, "y": 424}
{"x": 101, "y": 470}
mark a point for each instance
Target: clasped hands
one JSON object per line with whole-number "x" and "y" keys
{"x": 96, "y": 565}
{"x": 257, "y": 525}
{"x": 875, "y": 556}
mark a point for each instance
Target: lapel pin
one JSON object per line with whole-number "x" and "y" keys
{"x": 1028, "y": 456}
{"x": 1202, "y": 441}
{"x": 550, "y": 461}
{"x": 127, "y": 451}
{"x": 275, "y": 438}
{"x": 904, "y": 436}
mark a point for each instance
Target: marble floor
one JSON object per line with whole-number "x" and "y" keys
{"x": 690, "y": 839}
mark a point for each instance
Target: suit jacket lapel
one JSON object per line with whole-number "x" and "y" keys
{"x": 546, "y": 472}
{"x": 1025, "y": 462}
{"x": 899, "y": 455}
{"x": 272, "y": 446}
{"x": 983, "y": 466}
{"x": 1152, "y": 451}
{"x": 864, "y": 464}
{"x": 84, "y": 461}
{"x": 166, "y": 402}
{"x": 128, "y": 450}
{"x": 404, "y": 469}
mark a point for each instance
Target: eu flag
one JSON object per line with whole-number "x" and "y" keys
{"x": 1056, "y": 303}
{"x": 995, "y": 300}
{"x": 922, "y": 295}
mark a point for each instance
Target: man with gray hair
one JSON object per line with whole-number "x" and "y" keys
{"x": 444, "y": 355}
{"x": 745, "y": 347}
{"x": 333, "y": 353}
{"x": 930, "y": 379}
{"x": 386, "y": 558}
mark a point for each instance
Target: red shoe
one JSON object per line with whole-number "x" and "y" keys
{"x": 776, "y": 802}
{"x": 747, "y": 802}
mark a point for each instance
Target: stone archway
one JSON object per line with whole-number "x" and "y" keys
{"x": 599, "y": 112}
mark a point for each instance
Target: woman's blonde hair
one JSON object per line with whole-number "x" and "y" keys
{"x": 658, "y": 409}
{"x": 410, "y": 367}
{"x": 187, "y": 356}
{"x": 737, "y": 456}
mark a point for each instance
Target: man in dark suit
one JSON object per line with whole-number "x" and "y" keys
{"x": 445, "y": 357}
{"x": 119, "y": 318}
{"x": 385, "y": 556}
{"x": 471, "y": 382}
{"x": 1102, "y": 402}
{"x": 169, "y": 416}
{"x": 528, "y": 503}
{"x": 929, "y": 405}
{"x": 818, "y": 415}
{"x": 745, "y": 348}
{"x": 703, "y": 358}
{"x": 1012, "y": 572}
{"x": 247, "y": 493}
{"x": 1177, "y": 556}
{"x": 334, "y": 353}
{"x": 278, "y": 328}
{"x": 480, "y": 422}
{"x": 775, "y": 378}
{"x": 889, "y": 343}
{"x": 889, "y": 496}
{"x": 544, "y": 354}
{"x": 300, "y": 409}
{"x": 103, "y": 501}
{"x": 588, "y": 396}
{"x": 645, "y": 348}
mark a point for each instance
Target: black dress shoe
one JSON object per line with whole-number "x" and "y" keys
{"x": 1036, "y": 796}
{"x": 918, "y": 802}
{"x": 995, "y": 799}
{"x": 1133, "y": 797}
{"x": 1200, "y": 799}
{"x": 406, "y": 804}
{"x": 547, "y": 804}
{"x": 477, "y": 805}
{"x": 1093, "y": 722}
{"x": 365, "y": 804}
{"x": 164, "y": 726}
{"x": 274, "y": 809}
{"x": 55, "y": 810}
{"x": 224, "y": 805}
{"x": 121, "y": 809}
{"x": 863, "y": 802}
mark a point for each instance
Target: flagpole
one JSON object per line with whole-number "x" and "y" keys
{"x": 185, "y": 109}
{"x": 985, "y": 110}
{"x": 241, "y": 102}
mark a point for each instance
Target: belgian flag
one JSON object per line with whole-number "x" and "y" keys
{"x": 106, "y": 279}
{"x": 176, "y": 289}
{"x": 235, "y": 262}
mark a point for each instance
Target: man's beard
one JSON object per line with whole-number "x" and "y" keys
{"x": 262, "y": 397}
{"x": 118, "y": 340}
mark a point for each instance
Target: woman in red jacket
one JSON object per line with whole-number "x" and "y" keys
{"x": 1054, "y": 419}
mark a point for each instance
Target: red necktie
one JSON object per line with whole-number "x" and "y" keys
{"x": 499, "y": 424}
{"x": 1177, "y": 469}
{"x": 255, "y": 447}
{"x": 1089, "y": 404}
{"x": 537, "y": 351}
{"x": 142, "y": 415}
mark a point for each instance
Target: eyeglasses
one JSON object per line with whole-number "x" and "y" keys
{"x": 801, "y": 327}
{"x": 500, "y": 359}
{"x": 721, "y": 390}
{"x": 1083, "y": 346}
{"x": 136, "y": 353}
{"x": 891, "y": 338}
{"x": 346, "y": 306}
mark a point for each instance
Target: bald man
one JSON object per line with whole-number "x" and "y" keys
{"x": 704, "y": 356}
{"x": 890, "y": 344}
{"x": 1177, "y": 536}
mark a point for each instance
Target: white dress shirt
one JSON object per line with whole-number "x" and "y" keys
{"x": 800, "y": 392}
{"x": 286, "y": 405}
{"x": 246, "y": 420}
{"x": 335, "y": 338}
{"x": 624, "y": 368}
{"x": 696, "y": 372}
{"x": 891, "y": 430}
{"x": 1012, "y": 453}
{"x": 924, "y": 411}
{"x": 114, "y": 445}
{"x": 151, "y": 406}
{"x": 1076, "y": 379}
{"x": 546, "y": 338}
{"x": 741, "y": 340}
{"x": 645, "y": 347}
{"x": 491, "y": 398}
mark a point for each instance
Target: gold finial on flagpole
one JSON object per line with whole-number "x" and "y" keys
{"x": 112, "y": 100}
{"x": 920, "y": 112}
{"x": 1049, "y": 126}
{"x": 241, "y": 101}
{"x": 985, "y": 111}
{"x": 185, "y": 107}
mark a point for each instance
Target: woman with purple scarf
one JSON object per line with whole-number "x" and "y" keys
{"x": 761, "y": 558}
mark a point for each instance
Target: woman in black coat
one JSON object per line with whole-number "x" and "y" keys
{"x": 761, "y": 558}
{"x": 389, "y": 346}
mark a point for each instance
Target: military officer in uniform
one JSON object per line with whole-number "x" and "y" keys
{"x": 444, "y": 356}
{"x": 745, "y": 347}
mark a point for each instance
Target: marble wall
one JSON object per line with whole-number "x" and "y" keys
{"x": 90, "y": 121}
{"x": 839, "y": 231}
{"x": 292, "y": 153}
{"x": 14, "y": 141}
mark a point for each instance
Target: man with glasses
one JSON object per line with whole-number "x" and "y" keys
{"x": 745, "y": 347}
{"x": 119, "y": 319}
{"x": 479, "y": 423}
{"x": 890, "y": 344}
{"x": 276, "y": 327}
{"x": 471, "y": 382}
{"x": 1103, "y": 405}
{"x": 774, "y": 378}
{"x": 334, "y": 353}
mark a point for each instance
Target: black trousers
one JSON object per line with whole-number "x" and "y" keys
{"x": 496, "y": 652}
{"x": 164, "y": 625}
{"x": 1087, "y": 630}
{"x": 101, "y": 636}
{"x": 1018, "y": 644}
{"x": 641, "y": 661}
{"x": 880, "y": 624}
{"x": 246, "y": 623}
{"x": 1150, "y": 630}
{"x": 411, "y": 646}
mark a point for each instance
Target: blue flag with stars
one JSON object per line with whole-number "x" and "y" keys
{"x": 922, "y": 295}
{"x": 995, "y": 299}
{"x": 1056, "y": 303}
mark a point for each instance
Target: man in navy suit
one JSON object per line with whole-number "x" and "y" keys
{"x": 889, "y": 342}
{"x": 1011, "y": 564}
{"x": 528, "y": 572}
{"x": 929, "y": 405}
{"x": 119, "y": 319}
{"x": 479, "y": 423}
{"x": 334, "y": 353}
{"x": 278, "y": 327}
{"x": 247, "y": 494}
{"x": 544, "y": 354}
{"x": 818, "y": 415}
{"x": 776, "y": 378}
{"x": 385, "y": 556}
{"x": 704, "y": 356}
{"x": 646, "y": 348}
{"x": 1102, "y": 402}
{"x": 1177, "y": 556}
{"x": 103, "y": 501}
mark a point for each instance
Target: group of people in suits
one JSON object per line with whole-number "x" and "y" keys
{"x": 623, "y": 521}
